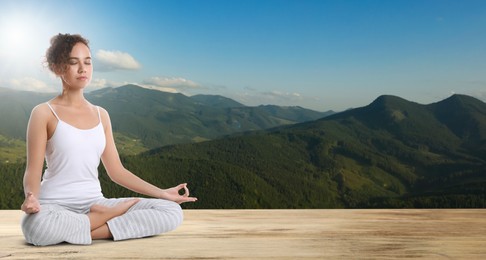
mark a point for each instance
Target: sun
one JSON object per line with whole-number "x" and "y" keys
{"x": 18, "y": 37}
{"x": 15, "y": 37}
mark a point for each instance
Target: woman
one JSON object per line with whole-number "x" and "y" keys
{"x": 73, "y": 135}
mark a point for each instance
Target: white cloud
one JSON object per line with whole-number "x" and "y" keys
{"x": 115, "y": 60}
{"x": 104, "y": 83}
{"x": 170, "y": 84}
{"x": 166, "y": 84}
{"x": 98, "y": 83}
{"x": 282, "y": 96}
{"x": 164, "y": 89}
{"x": 30, "y": 84}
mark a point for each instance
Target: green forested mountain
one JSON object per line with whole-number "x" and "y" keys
{"x": 143, "y": 118}
{"x": 15, "y": 108}
{"x": 391, "y": 153}
{"x": 216, "y": 101}
{"x": 161, "y": 118}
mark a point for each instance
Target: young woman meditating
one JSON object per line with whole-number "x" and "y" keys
{"x": 65, "y": 203}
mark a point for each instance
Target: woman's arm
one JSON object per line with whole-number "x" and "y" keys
{"x": 36, "y": 147}
{"x": 125, "y": 178}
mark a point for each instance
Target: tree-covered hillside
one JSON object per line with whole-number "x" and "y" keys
{"x": 145, "y": 118}
{"x": 161, "y": 118}
{"x": 391, "y": 153}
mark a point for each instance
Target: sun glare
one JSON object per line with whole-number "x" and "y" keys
{"x": 18, "y": 37}
{"x": 15, "y": 37}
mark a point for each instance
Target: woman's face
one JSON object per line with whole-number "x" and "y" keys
{"x": 79, "y": 70}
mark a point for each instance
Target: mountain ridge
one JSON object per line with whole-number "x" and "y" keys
{"x": 216, "y": 100}
{"x": 145, "y": 118}
{"x": 392, "y": 153}
{"x": 340, "y": 161}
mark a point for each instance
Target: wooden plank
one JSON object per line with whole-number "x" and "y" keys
{"x": 283, "y": 234}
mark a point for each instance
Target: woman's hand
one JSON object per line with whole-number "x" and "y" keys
{"x": 173, "y": 194}
{"x": 31, "y": 204}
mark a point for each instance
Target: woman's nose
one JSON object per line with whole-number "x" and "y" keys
{"x": 82, "y": 68}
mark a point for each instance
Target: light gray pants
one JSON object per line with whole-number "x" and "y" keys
{"x": 55, "y": 224}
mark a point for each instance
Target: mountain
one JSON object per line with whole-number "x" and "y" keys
{"x": 391, "y": 153}
{"x": 144, "y": 118}
{"x": 291, "y": 113}
{"x": 216, "y": 101}
{"x": 464, "y": 116}
{"x": 161, "y": 118}
{"x": 15, "y": 108}
{"x": 294, "y": 114}
{"x": 457, "y": 121}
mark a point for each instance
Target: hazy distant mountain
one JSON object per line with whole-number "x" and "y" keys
{"x": 216, "y": 101}
{"x": 15, "y": 108}
{"x": 145, "y": 118}
{"x": 161, "y": 118}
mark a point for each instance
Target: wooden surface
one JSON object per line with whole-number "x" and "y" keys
{"x": 283, "y": 234}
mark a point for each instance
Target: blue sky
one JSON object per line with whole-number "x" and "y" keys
{"x": 321, "y": 55}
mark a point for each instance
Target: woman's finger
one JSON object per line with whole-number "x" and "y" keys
{"x": 186, "y": 191}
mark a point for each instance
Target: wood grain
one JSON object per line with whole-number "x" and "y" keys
{"x": 283, "y": 234}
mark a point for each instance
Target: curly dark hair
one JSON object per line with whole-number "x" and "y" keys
{"x": 57, "y": 55}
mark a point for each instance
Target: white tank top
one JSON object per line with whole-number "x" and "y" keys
{"x": 72, "y": 158}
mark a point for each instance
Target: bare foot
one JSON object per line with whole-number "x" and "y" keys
{"x": 99, "y": 214}
{"x": 116, "y": 210}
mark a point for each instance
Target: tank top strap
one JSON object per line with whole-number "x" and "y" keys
{"x": 99, "y": 114}
{"x": 54, "y": 112}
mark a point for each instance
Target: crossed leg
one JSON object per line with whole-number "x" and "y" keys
{"x": 99, "y": 215}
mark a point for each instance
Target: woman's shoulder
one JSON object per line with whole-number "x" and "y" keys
{"x": 41, "y": 109}
{"x": 41, "y": 114}
{"x": 104, "y": 115}
{"x": 102, "y": 110}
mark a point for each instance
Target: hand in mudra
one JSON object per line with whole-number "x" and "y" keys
{"x": 174, "y": 195}
{"x": 31, "y": 205}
